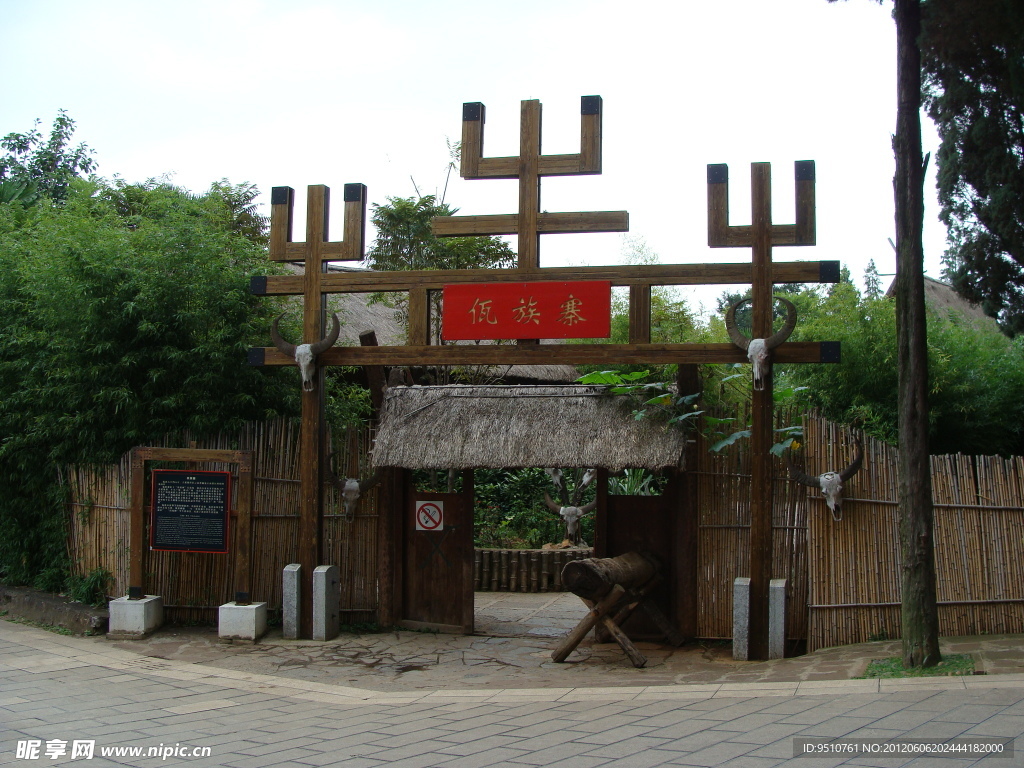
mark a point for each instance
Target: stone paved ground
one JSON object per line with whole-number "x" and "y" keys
{"x": 518, "y": 633}
{"x": 56, "y": 689}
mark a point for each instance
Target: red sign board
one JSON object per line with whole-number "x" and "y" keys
{"x": 577, "y": 310}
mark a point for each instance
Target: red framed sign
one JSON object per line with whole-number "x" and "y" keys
{"x": 566, "y": 310}
{"x": 190, "y": 511}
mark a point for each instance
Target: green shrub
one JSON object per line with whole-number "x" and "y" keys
{"x": 90, "y": 589}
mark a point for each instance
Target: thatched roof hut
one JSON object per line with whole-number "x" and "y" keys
{"x": 943, "y": 300}
{"x": 467, "y": 427}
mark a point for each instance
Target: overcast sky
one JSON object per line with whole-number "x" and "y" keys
{"x": 306, "y": 92}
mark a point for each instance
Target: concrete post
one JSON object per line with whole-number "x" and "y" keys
{"x": 741, "y": 618}
{"x": 291, "y": 601}
{"x": 777, "y": 619}
{"x": 326, "y": 602}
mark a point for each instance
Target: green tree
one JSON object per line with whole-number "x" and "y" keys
{"x": 872, "y": 281}
{"x": 119, "y": 327}
{"x": 976, "y": 374}
{"x": 405, "y": 241}
{"x": 32, "y": 168}
{"x": 973, "y": 58}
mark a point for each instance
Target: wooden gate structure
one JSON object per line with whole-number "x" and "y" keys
{"x": 529, "y": 223}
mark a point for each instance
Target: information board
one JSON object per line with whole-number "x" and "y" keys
{"x": 190, "y": 511}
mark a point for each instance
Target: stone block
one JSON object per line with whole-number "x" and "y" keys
{"x": 135, "y": 619}
{"x": 326, "y": 602}
{"x": 291, "y": 604}
{"x": 242, "y": 622}
{"x": 741, "y": 618}
{"x": 777, "y": 618}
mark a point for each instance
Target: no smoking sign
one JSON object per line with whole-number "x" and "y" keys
{"x": 429, "y": 515}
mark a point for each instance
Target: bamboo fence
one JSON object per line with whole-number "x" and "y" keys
{"x": 194, "y": 584}
{"x": 843, "y": 577}
{"x": 723, "y": 509}
{"x": 854, "y": 563}
{"x": 522, "y": 570}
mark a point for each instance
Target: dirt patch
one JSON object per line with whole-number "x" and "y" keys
{"x": 53, "y": 610}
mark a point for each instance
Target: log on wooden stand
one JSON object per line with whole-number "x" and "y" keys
{"x": 613, "y": 588}
{"x": 594, "y": 577}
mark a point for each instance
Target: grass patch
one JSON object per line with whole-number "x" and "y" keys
{"x": 952, "y": 665}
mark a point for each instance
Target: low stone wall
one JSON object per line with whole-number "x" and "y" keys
{"x": 522, "y": 570}
{"x": 52, "y": 610}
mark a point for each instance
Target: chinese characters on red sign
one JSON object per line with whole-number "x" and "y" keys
{"x": 578, "y": 310}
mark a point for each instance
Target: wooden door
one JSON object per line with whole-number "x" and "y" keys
{"x": 661, "y": 526}
{"x": 437, "y": 573}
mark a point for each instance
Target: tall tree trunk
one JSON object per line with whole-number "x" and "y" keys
{"x": 919, "y": 616}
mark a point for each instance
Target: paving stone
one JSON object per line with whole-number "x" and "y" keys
{"x": 721, "y": 753}
{"x": 255, "y": 719}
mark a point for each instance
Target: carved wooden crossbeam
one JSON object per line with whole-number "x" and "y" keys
{"x": 318, "y": 247}
{"x": 555, "y": 354}
{"x": 722, "y": 235}
{"x": 529, "y": 167}
{"x": 639, "y": 274}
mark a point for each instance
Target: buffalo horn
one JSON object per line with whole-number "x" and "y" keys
{"x": 738, "y": 338}
{"x": 372, "y": 480}
{"x": 328, "y": 341}
{"x": 772, "y": 341}
{"x": 777, "y": 338}
{"x": 854, "y": 467}
{"x": 801, "y": 477}
{"x": 281, "y": 344}
{"x": 551, "y": 505}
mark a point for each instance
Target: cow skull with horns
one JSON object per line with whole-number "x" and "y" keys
{"x": 570, "y": 511}
{"x": 759, "y": 350}
{"x": 351, "y": 488}
{"x": 571, "y": 517}
{"x": 831, "y": 483}
{"x": 305, "y": 354}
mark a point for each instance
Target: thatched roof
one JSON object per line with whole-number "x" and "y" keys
{"x": 466, "y": 427}
{"x": 942, "y": 299}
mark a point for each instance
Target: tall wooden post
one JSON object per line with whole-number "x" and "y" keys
{"x": 311, "y": 435}
{"x": 315, "y": 253}
{"x": 762, "y": 414}
{"x": 760, "y": 237}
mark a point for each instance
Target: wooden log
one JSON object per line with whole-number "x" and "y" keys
{"x": 605, "y": 606}
{"x": 636, "y": 274}
{"x": 638, "y": 659}
{"x": 592, "y": 578}
{"x": 543, "y": 354}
